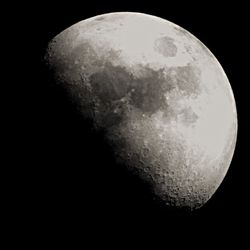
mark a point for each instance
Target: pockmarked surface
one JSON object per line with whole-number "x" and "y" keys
{"x": 161, "y": 97}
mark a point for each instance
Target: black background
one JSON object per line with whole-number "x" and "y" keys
{"x": 68, "y": 186}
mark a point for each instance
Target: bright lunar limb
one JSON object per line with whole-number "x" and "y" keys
{"x": 160, "y": 95}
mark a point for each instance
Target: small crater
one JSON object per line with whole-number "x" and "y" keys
{"x": 188, "y": 116}
{"x": 101, "y": 18}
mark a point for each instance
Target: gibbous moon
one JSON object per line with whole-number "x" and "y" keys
{"x": 160, "y": 96}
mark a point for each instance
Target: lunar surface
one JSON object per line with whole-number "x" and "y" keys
{"x": 160, "y": 96}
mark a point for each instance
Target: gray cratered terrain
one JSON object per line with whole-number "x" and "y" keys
{"x": 161, "y": 97}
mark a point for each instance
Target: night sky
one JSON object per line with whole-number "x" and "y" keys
{"x": 68, "y": 183}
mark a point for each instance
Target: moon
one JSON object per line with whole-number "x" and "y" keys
{"x": 159, "y": 95}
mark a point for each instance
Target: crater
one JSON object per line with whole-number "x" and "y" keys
{"x": 100, "y": 18}
{"x": 188, "y": 116}
{"x": 166, "y": 46}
